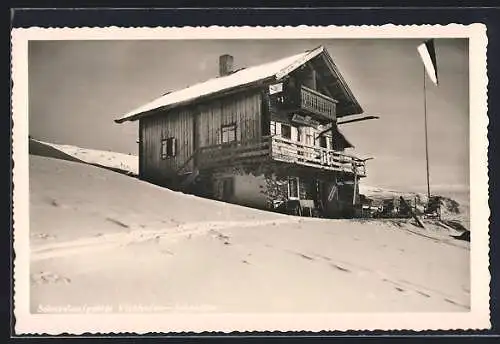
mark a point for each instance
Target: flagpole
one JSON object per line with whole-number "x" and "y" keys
{"x": 426, "y": 138}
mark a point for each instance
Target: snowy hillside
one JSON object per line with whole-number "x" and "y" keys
{"x": 455, "y": 208}
{"x": 126, "y": 163}
{"x": 134, "y": 244}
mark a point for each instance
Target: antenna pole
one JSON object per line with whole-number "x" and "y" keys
{"x": 426, "y": 139}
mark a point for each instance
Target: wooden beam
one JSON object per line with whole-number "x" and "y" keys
{"x": 357, "y": 119}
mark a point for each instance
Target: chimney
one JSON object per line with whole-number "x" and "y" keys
{"x": 225, "y": 65}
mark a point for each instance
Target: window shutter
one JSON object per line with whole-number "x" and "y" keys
{"x": 328, "y": 142}
{"x": 286, "y": 131}
{"x": 163, "y": 148}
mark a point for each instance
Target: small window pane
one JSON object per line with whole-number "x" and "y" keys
{"x": 228, "y": 133}
{"x": 309, "y": 140}
{"x": 163, "y": 148}
{"x": 273, "y": 128}
{"x": 322, "y": 141}
{"x": 171, "y": 146}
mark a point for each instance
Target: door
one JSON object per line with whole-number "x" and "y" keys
{"x": 293, "y": 188}
{"x": 330, "y": 198}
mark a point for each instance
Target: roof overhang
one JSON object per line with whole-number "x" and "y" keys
{"x": 348, "y": 105}
{"x": 358, "y": 119}
{"x": 138, "y": 115}
{"x": 299, "y": 62}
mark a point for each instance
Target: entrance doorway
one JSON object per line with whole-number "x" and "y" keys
{"x": 293, "y": 188}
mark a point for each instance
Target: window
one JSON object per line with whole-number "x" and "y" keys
{"x": 293, "y": 188}
{"x": 171, "y": 146}
{"x": 309, "y": 139}
{"x": 308, "y": 136}
{"x": 228, "y": 133}
{"x": 168, "y": 147}
{"x": 298, "y": 130}
{"x": 273, "y": 128}
{"x": 286, "y": 131}
{"x": 164, "y": 148}
{"x": 322, "y": 141}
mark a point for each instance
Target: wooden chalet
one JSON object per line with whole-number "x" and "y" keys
{"x": 265, "y": 136}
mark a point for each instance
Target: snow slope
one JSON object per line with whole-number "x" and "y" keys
{"x": 126, "y": 163}
{"x": 100, "y": 238}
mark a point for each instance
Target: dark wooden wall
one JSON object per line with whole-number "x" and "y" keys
{"x": 176, "y": 123}
{"x": 243, "y": 109}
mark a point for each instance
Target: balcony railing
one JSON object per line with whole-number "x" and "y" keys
{"x": 279, "y": 149}
{"x": 233, "y": 153}
{"x": 317, "y": 103}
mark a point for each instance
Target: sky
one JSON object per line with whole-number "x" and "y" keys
{"x": 77, "y": 89}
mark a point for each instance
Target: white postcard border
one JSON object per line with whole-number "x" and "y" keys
{"x": 477, "y": 318}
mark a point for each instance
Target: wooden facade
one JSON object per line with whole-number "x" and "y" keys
{"x": 271, "y": 144}
{"x": 193, "y": 127}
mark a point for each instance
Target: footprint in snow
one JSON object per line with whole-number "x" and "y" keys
{"x": 117, "y": 222}
{"x": 53, "y": 203}
{"x": 324, "y": 257}
{"x": 423, "y": 294}
{"x": 304, "y": 256}
{"x": 43, "y": 236}
{"x": 456, "y": 303}
{"x": 340, "y": 268}
{"x": 45, "y": 277}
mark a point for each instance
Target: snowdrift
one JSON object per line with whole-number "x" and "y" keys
{"x": 100, "y": 238}
{"x": 454, "y": 214}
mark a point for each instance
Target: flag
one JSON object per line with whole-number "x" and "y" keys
{"x": 428, "y": 55}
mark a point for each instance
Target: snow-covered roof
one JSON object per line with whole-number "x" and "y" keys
{"x": 276, "y": 69}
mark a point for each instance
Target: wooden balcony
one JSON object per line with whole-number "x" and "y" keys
{"x": 233, "y": 154}
{"x": 279, "y": 149}
{"x": 328, "y": 159}
{"x": 305, "y": 101}
{"x": 315, "y": 103}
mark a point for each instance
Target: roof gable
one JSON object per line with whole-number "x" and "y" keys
{"x": 275, "y": 70}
